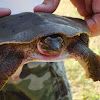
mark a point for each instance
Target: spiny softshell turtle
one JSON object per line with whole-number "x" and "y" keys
{"x": 44, "y": 37}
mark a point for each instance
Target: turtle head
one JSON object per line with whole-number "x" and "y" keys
{"x": 50, "y": 45}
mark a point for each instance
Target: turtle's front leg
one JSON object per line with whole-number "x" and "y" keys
{"x": 88, "y": 59}
{"x": 10, "y": 60}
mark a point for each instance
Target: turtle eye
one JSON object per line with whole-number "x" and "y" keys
{"x": 47, "y": 40}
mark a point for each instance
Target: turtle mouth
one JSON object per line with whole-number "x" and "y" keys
{"x": 47, "y": 52}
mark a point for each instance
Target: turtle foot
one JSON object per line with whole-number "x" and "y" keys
{"x": 94, "y": 68}
{"x": 88, "y": 59}
{"x": 91, "y": 64}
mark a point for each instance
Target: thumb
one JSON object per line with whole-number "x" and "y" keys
{"x": 47, "y": 6}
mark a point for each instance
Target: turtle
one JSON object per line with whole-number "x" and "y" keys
{"x": 44, "y": 37}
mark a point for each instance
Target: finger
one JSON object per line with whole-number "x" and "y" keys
{"x": 96, "y": 6}
{"x": 47, "y": 6}
{"x": 4, "y": 12}
{"x": 88, "y": 4}
{"x": 75, "y": 2}
{"x": 94, "y": 24}
{"x": 81, "y": 7}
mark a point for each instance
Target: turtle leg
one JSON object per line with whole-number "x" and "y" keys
{"x": 88, "y": 59}
{"x": 10, "y": 60}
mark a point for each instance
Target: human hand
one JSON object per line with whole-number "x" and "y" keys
{"x": 4, "y": 12}
{"x": 90, "y": 10}
{"x": 47, "y": 6}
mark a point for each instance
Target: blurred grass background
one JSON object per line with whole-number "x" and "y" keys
{"x": 82, "y": 88}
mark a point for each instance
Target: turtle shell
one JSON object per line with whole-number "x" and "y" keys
{"x": 27, "y": 26}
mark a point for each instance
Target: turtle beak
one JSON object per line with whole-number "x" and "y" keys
{"x": 55, "y": 47}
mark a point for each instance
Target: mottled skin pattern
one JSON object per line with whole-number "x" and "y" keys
{"x": 39, "y": 81}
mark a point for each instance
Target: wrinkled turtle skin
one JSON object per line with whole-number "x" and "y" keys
{"x": 43, "y": 37}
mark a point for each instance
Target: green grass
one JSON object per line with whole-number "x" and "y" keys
{"x": 82, "y": 88}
